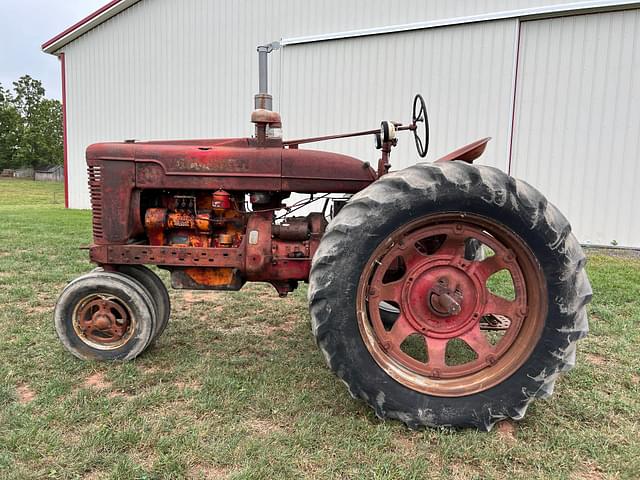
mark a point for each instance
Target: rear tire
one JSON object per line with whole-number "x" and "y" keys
{"x": 552, "y": 291}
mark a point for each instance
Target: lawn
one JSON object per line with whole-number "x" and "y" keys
{"x": 237, "y": 389}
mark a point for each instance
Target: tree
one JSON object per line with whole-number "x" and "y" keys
{"x": 30, "y": 126}
{"x": 10, "y": 127}
{"x": 29, "y": 93}
{"x": 41, "y": 138}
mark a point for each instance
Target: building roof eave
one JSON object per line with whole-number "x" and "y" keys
{"x": 88, "y": 23}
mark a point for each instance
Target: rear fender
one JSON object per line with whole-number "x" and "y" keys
{"x": 468, "y": 153}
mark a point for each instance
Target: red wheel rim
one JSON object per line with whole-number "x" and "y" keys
{"x": 442, "y": 296}
{"x": 103, "y": 321}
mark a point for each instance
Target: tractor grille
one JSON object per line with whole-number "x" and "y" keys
{"x": 95, "y": 189}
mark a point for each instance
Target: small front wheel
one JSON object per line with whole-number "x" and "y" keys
{"x": 105, "y": 316}
{"x": 156, "y": 289}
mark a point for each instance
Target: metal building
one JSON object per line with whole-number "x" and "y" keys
{"x": 557, "y": 85}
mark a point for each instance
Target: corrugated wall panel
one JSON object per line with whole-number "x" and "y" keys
{"x": 578, "y": 121}
{"x": 166, "y": 68}
{"x": 463, "y": 72}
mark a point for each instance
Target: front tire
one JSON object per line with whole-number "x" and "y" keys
{"x": 404, "y": 240}
{"x": 158, "y": 291}
{"x": 105, "y": 316}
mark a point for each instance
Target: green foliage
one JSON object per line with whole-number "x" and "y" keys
{"x": 30, "y": 126}
{"x": 10, "y": 128}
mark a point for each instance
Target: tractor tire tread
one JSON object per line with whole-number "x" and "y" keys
{"x": 468, "y": 183}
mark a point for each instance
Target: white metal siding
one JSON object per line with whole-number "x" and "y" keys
{"x": 578, "y": 121}
{"x": 164, "y": 68}
{"x": 167, "y": 69}
{"x": 463, "y": 72}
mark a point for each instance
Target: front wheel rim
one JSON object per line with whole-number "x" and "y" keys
{"x": 103, "y": 321}
{"x": 423, "y": 270}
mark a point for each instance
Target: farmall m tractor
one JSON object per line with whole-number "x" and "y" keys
{"x": 401, "y": 267}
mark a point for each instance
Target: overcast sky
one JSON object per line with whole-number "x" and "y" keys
{"x": 24, "y": 26}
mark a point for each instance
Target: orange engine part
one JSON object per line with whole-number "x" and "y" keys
{"x": 203, "y": 221}
{"x": 239, "y": 246}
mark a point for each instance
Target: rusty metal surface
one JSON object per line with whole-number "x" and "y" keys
{"x": 201, "y": 278}
{"x": 103, "y": 321}
{"x": 262, "y": 115}
{"x": 443, "y": 296}
{"x": 468, "y": 153}
{"x": 168, "y": 256}
{"x": 312, "y": 171}
{"x": 120, "y": 171}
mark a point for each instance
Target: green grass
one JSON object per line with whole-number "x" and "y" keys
{"x": 236, "y": 387}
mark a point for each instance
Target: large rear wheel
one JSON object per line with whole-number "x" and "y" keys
{"x": 472, "y": 337}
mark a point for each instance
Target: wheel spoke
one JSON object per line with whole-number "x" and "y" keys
{"x": 500, "y": 306}
{"x": 488, "y": 267}
{"x": 453, "y": 246}
{"x": 477, "y": 341}
{"x": 412, "y": 256}
{"x": 391, "y": 291}
{"x": 117, "y": 329}
{"x": 436, "y": 350}
{"x": 401, "y": 330}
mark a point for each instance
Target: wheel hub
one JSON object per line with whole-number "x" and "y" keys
{"x": 441, "y": 300}
{"x": 103, "y": 321}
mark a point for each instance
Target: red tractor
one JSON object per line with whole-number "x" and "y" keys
{"x": 446, "y": 293}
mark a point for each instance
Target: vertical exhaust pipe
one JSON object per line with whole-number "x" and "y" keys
{"x": 267, "y": 121}
{"x": 263, "y": 99}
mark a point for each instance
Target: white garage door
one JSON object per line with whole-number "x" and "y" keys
{"x": 577, "y": 124}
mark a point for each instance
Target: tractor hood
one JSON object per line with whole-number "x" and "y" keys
{"x": 234, "y": 164}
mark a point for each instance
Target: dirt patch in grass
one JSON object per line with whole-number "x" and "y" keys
{"x": 180, "y": 385}
{"x": 153, "y": 369}
{"x": 263, "y": 427}
{"x": 288, "y": 326}
{"x": 119, "y": 394}
{"x": 506, "y": 430}
{"x": 25, "y": 394}
{"x": 191, "y": 296}
{"x": 405, "y": 445}
{"x": 207, "y": 472}
{"x": 94, "y": 475}
{"x": 595, "y": 359}
{"x": 97, "y": 381}
{"x": 464, "y": 471}
{"x": 39, "y": 309}
{"x": 588, "y": 471}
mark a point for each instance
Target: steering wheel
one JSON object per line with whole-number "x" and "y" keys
{"x": 420, "y": 116}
